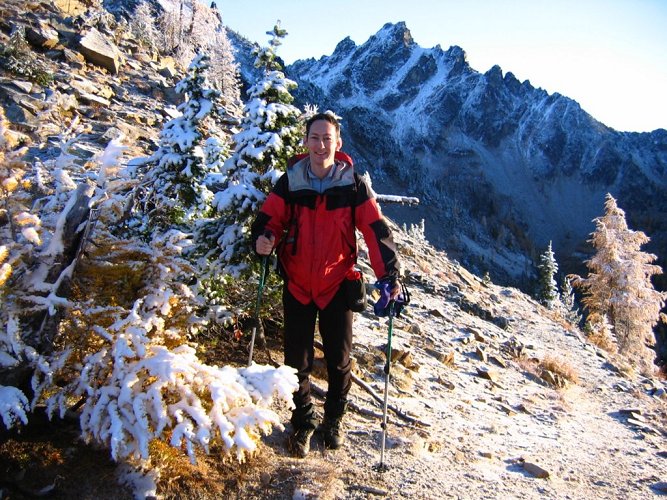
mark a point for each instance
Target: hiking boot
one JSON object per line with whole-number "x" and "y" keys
{"x": 299, "y": 442}
{"x": 332, "y": 433}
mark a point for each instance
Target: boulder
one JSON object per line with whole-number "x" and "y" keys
{"x": 71, "y": 7}
{"x": 42, "y": 35}
{"x": 98, "y": 50}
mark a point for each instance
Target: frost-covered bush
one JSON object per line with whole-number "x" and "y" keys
{"x": 144, "y": 381}
{"x": 122, "y": 353}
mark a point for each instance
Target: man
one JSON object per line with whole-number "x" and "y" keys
{"x": 311, "y": 215}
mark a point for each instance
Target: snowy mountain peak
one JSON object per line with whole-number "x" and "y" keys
{"x": 344, "y": 47}
{"x": 390, "y": 33}
{"x": 503, "y": 167}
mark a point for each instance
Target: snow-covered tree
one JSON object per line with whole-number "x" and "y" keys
{"x": 44, "y": 212}
{"x": 142, "y": 26}
{"x": 271, "y": 132}
{"x": 568, "y": 299}
{"x": 176, "y": 192}
{"x": 619, "y": 286}
{"x": 186, "y": 27}
{"x": 548, "y": 289}
{"x": 224, "y": 73}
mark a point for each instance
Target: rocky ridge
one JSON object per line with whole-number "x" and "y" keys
{"x": 108, "y": 83}
{"x": 502, "y": 167}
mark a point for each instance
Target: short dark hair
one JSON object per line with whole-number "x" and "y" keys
{"x": 328, "y": 117}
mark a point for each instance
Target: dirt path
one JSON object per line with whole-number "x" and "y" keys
{"x": 486, "y": 438}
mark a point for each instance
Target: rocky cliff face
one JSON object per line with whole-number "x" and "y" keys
{"x": 502, "y": 167}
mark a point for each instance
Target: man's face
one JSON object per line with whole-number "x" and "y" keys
{"x": 322, "y": 143}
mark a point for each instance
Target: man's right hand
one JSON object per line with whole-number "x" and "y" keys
{"x": 264, "y": 245}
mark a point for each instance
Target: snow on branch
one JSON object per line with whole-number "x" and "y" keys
{"x": 139, "y": 391}
{"x": 403, "y": 200}
{"x": 13, "y": 406}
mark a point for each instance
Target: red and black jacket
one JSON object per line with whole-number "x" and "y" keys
{"x": 315, "y": 233}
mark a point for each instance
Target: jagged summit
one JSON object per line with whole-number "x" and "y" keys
{"x": 391, "y": 33}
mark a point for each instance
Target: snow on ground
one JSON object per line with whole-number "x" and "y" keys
{"x": 484, "y": 438}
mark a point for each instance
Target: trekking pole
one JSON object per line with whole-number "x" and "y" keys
{"x": 260, "y": 288}
{"x": 382, "y": 466}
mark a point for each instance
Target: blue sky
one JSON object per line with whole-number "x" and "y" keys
{"x": 610, "y": 56}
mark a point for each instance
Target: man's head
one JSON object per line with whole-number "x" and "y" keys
{"x": 322, "y": 139}
{"x": 327, "y": 117}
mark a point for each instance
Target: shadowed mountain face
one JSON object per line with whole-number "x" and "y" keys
{"x": 502, "y": 167}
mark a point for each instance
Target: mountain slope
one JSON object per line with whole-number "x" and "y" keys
{"x": 469, "y": 364}
{"x": 500, "y": 164}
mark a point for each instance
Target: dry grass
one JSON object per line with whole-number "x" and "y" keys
{"x": 555, "y": 371}
{"x": 51, "y": 455}
{"x": 560, "y": 367}
{"x": 602, "y": 340}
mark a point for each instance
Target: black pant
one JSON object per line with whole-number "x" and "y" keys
{"x": 335, "y": 325}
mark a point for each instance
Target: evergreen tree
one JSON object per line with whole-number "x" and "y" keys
{"x": 270, "y": 134}
{"x": 548, "y": 289}
{"x": 619, "y": 285}
{"x": 224, "y": 74}
{"x": 571, "y": 311}
{"x": 176, "y": 192}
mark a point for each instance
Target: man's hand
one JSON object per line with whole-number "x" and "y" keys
{"x": 264, "y": 244}
{"x": 391, "y": 290}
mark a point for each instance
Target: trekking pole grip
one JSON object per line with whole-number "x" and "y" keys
{"x": 260, "y": 288}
